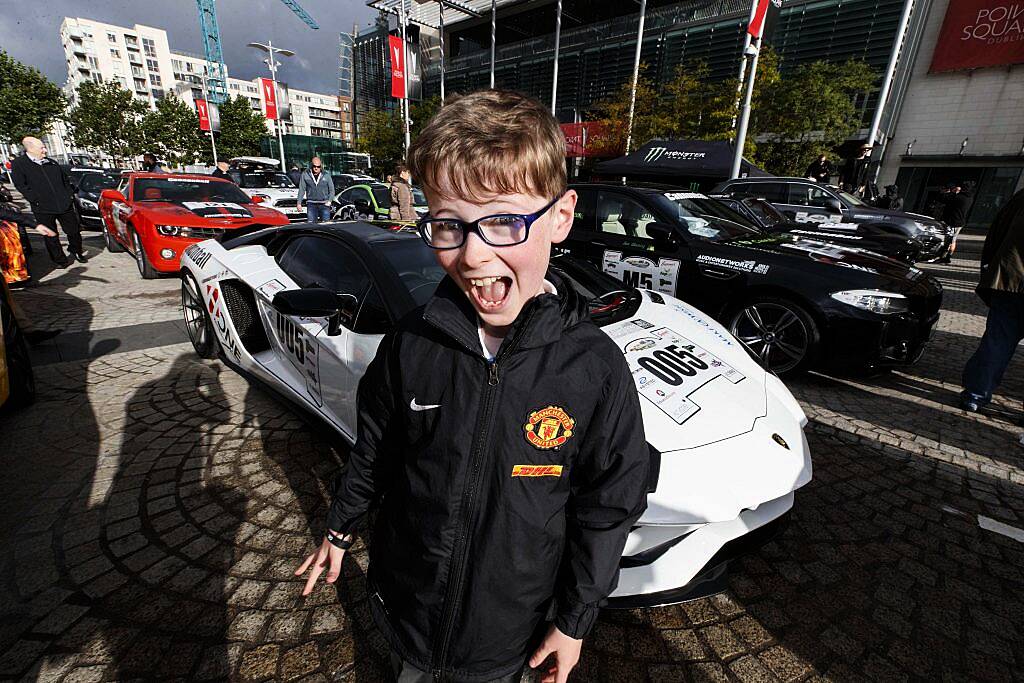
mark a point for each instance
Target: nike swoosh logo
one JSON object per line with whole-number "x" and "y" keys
{"x": 417, "y": 407}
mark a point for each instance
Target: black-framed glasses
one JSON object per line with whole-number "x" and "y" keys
{"x": 498, "y": 230}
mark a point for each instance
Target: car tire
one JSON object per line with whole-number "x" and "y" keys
{"x": 146, "y": 269}
{"x": 21, "y": 379}
{"x": 197, "y": 319}
{"x": 113, "y": 246}
{"x": 778, "y": 332}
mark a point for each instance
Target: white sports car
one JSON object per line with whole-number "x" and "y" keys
{"x": 304, "y": 307}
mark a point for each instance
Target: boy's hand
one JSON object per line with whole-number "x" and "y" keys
{"x": 45, "y": 231}
{"x": 566, "y": 651}
{"x": 328, "y": 557}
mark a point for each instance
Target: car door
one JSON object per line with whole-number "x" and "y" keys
{"x": 809, "y": 203}
{"x": 363, "y": 201}
{"x": 119, "y": 213}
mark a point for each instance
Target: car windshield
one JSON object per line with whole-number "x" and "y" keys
{"x": 170, "y": 189}
{"x": 418, "y": 198}
{"x": 94, "y": 182}
{"x": 849, "y": 198}
{"x": 415, "y": 264}
{"x": 767, "y": 213}
{"x": 706, "y": 218}
{"x": 265, "y": 179}
{"x": 383, "y": 196}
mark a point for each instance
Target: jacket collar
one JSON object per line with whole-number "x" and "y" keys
{"x": 539, "y": 323}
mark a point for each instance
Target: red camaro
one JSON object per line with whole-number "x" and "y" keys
{"x": 156, "y": 216}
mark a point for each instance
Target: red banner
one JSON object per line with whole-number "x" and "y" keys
{"x": 204, "y": 115}
{"x": 980, "y": 33}
{"x": 754, "y": 28}
{"x": 580, "y": 138}
{"x": 269, "y": 97}
{"x": 397, "y": 67}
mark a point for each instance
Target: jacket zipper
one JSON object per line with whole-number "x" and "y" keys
{"x": 458, "y": 566}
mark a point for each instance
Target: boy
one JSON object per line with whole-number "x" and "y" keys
{"x": 499, "y": 430}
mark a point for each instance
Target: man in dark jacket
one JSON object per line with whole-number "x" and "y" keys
{"x": 222, "y": 171}
{"x": 47, "y": 188}
{"x": 956, "y": 202}
{"x": 820, "y": 169}
{"x": 1002, "y": 288}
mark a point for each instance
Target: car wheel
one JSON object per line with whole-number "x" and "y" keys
{"x": 21, "y": 378}
{"x": 113, "y": 246}
{"x": 780, "y": 333}
{"x": 197, "y": 320}
{"x": 146, "y": 270}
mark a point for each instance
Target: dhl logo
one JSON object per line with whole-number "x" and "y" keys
{"x": 537, "y": 470}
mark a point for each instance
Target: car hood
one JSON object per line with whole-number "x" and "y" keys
{"x": 209, "y": 214}
{"x": 862, "y": 213}
{"x": 723, "y": 396}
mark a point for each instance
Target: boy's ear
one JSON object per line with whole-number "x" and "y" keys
{"x": 563, "y": 212}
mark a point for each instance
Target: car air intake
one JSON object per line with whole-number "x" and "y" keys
{"x": 244, "y": 315}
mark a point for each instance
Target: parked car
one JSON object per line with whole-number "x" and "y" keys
{"x": 262, "y": 177}
{"x": 372, "y": 201}
{"x": 796, "y": 303}
{"x": 806, "y": 201}
{"x": 767, "y": 218}
{"x": 343, "y": 180}
{"x": 303, "y": 308}
{"x": 88, "y": 187}
{"x": 155, "y": 216}
{"x": 17, "y": 380}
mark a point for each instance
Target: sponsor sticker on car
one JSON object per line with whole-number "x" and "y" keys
{"x": 748, "y": 266}
{"x": 668, "y": 368}
{"x": 641, "y": 272}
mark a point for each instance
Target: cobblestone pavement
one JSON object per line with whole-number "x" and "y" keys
{"x": 154, "y": 506}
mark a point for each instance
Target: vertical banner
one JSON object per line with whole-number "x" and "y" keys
{"x": 269, "y": 98}
{"x": 413, "y": 68}
{"x": 397, "y": 67}
{"x": 771, "y": 20}
{"x": 283, "y": 102}
{"x": 203, "y": 111}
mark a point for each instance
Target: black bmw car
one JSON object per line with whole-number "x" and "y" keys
{"x": 796, "y": 303}
{"x": 88, "y": 187}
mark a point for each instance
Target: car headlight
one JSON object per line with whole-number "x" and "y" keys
{"x": 931, "y": 228}
{"x": 173, "y": 231}
{"x": 88, "y": 204}
{"x": 884, "y": 303}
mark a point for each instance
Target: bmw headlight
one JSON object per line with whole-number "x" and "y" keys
{"x": 931, "y": 228}
{"x": 88, "y": 204}
{"x": 173, "y": 231}
{"x": 884, "y": 303}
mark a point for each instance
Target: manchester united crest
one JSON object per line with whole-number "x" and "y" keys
{"x": 549, "y": 427}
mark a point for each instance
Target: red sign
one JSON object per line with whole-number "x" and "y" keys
{"x": 980, "y": 33}
{"x": 204, "y": 115}
{"x": 757, "y": 23}
{"x": 397, "y": 67}
{"x": 580, "y": 138}
{"x": 269, "y": 97}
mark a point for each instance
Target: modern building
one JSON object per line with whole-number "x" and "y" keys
{"x": 961, "y": 117}
{"x": 371, "y": 67}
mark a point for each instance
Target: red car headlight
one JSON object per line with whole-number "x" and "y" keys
{"x": 173, "y": 231}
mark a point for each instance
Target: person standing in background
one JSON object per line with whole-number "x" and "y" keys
{"x": 318, "y": 190}
{"x": 47, "y": 187}
{"x": 820, "y": 169}
{"x": 854, "y": 176}
{"x": 222, "y": 171}
{"x": 401, "y": 196}
{"x": 956, "y": 202}
{"x": 150, "y": 164}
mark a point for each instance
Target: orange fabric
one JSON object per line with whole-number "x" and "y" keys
{"x": 12, "y": 258}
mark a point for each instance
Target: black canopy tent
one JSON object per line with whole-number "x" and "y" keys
{"x": 680, "y": 162}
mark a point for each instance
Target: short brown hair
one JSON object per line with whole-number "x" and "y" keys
{"x": 490, "y": 142}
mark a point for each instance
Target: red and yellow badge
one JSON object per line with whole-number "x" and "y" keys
{"x": 548, "y": 427}
{"x": 536, "y": 470}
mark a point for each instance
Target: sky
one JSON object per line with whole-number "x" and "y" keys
{"x": 30, "y": 32}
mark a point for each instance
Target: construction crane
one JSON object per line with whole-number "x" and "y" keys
{"x": 216, "y": 79}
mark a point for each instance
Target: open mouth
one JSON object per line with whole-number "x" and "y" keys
{"x": 490, "y": 293}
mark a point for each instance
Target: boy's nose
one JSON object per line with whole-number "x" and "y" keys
{"x": 475, "y": 251}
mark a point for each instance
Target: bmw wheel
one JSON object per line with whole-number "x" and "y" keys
{"x": 197, "y": 320}
{"x": 146, "y": 270}
{"x": 778, "y": 332}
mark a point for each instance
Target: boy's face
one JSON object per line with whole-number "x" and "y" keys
{"x": 519, "y": 269}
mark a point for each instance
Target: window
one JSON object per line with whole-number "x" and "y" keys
{"x": 372, "y": 317}
{"x": 176, "y": 65}
{"x": 584, "y": 215}
{"x": 149, "y": 47}
{"x": 314, "y": 261}
{"x": 137, "y": 71}
{"x": 97, "y": 78}
{"x": 131, "y": 40}
{"x": 152, "y": 65}
{"x": 158, "y": 94}
{"x": 808, "y": 195}
{"x": 618, "y": 214}
{"x": 112, "y": 37}
{"x": 116, "y": 54}
{"x": 772, "y": 192}
{"x": 154, "y": 79}
{"x": 188, "y": 67}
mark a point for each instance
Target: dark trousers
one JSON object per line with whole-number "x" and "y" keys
{"x": 1003, "y": 331}
{"x": 404, "y": 672}
{"x": 69, "y": 222}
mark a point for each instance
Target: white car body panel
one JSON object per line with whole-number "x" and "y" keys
{"x": 730, "y": 466}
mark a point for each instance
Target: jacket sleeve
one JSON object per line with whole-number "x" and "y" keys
{"x": 330, "y": 188}
{"x": 21, "y": 182}
{"x": 609, "y": 493}
{"x": 359, "y": 483}
{"x": 25, "y": 220}
{"x": 302, "y": 189}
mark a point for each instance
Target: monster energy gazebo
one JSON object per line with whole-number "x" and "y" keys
{"x": 699, "y": 164}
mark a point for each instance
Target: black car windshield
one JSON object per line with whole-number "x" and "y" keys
{"x": 94, "y": 182}
{"x": 850, "y": 199}
{"x": 383, "y": 196}
{"x": 706, "y": 218}
{"x": 265, "y": 179}
{"x": 170, "y": 189}
{"x": 415, "y": 264}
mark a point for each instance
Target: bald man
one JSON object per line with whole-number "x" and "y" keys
{"x": 47, "y": 187}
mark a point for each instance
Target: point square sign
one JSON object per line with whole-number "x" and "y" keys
{"x": 980, "y": 33}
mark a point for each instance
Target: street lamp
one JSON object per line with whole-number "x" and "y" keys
{"x": 273, "y": 64}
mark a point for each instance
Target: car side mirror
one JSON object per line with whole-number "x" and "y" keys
{"x": 112, "y": 195}
{"x": 319, "y": 302}
{"x": 833, "y": 205}
{"x": 662, "y": 233}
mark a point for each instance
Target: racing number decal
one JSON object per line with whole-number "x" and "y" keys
{"x": 641, "y": 272}
{"x": 303, "y": 353}
{"x": 220, "y": 320}
{"x": 672, "y": 364}
{"x": 291, "y": 338}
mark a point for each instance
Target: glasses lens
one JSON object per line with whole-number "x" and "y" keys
{"x": 441, "y": 234}
{"x": 504, "y": 230}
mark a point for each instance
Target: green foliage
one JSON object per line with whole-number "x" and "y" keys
{"x": 29, "y": 102}
{"x": 382, "y": 137}
{"x": 241, "y": 129}
{"x": 172, "y": 133}
{"x": 108, "y": 118}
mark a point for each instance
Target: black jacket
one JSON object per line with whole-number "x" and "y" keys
{"x": 955, "y": 208}
{"x": 46, "y": 186}
{"x": 1002, "y": 256}
{"x": 480, "y": 535}
{"x": 820, "y": 171}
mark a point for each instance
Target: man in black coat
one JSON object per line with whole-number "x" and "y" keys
{"x": 820, "y": 169}
{"x": 47, "y": 187}
{"x": 956, "y": 202}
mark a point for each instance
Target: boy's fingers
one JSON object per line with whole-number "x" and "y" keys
{"x": 540, "y": 655}
{"x": 562, "y": 672}
{"x": 314, "y": 574}
{"x": 335, "y": 565}
{"x": 305, "y": 565}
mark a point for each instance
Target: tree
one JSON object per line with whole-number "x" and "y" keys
{"x": 382, "y": 136}
{"x": 241, "y": 129}
{"x": 29, "y": 102}
{"x": 172, "y": 133}
{"x": 108, "y": 118}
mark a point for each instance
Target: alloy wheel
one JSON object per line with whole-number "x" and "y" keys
{"x": 774, "y": 333}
